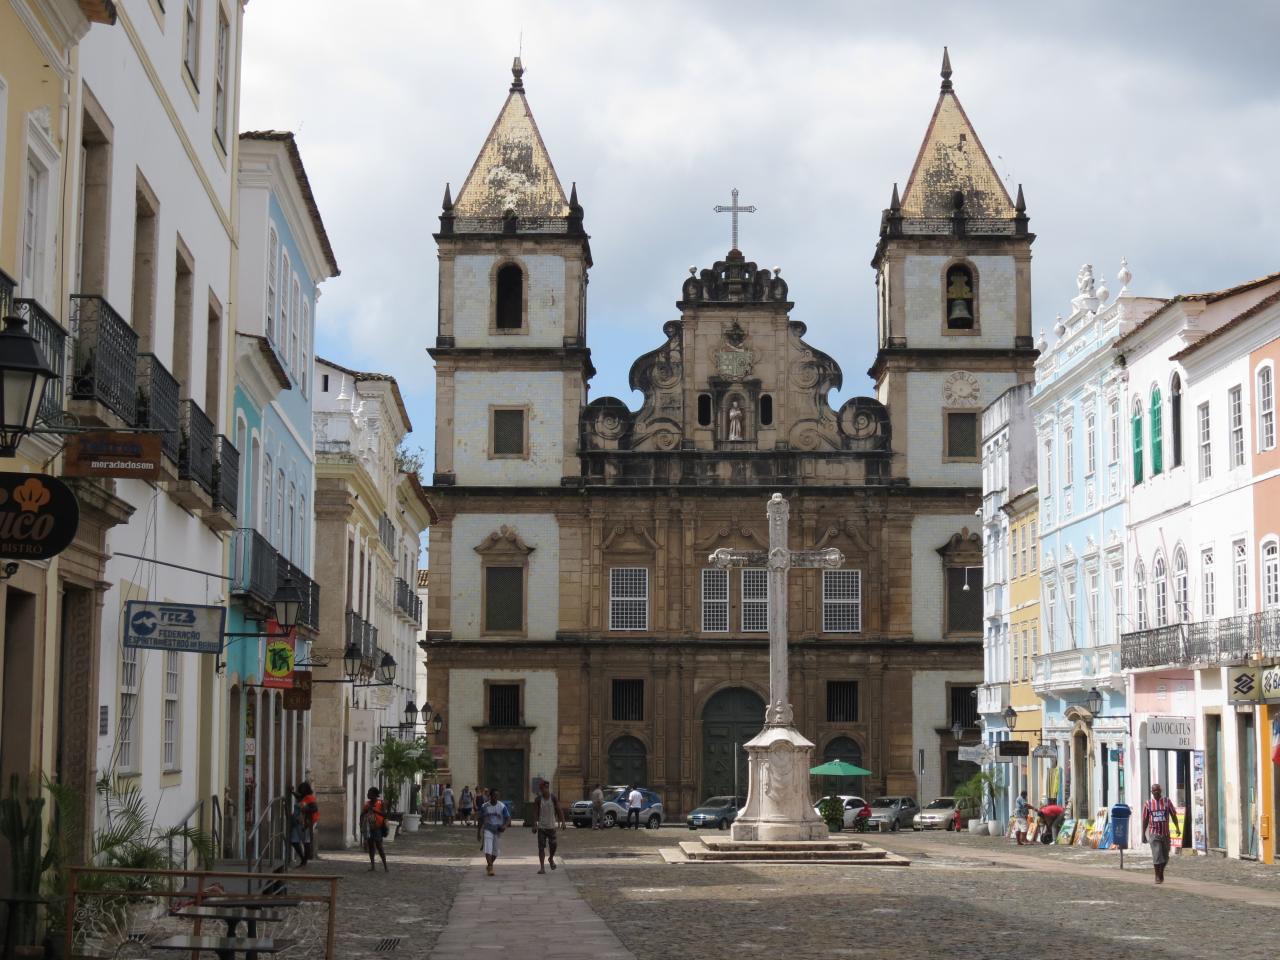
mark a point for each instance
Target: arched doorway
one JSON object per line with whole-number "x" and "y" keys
{"x": 1081, "y": 782}
{"x": 628, "y": 762}
{"x": 846, "y": 749}
{"x": 731, "y": 718}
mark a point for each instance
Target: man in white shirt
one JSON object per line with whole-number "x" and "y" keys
{"x": 635, "y": 800}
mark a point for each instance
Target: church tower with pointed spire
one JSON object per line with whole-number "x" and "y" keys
{"x": 953, "y": 282}
{"x": 512, "y": 363}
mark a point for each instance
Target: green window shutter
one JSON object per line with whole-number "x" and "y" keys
{"x": 1157, "y": 434}
{"x": 1137, "y": 447}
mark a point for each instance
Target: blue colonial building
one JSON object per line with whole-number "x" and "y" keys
{"x": 284, "y": 256}
{"x": 1078, "y": 406}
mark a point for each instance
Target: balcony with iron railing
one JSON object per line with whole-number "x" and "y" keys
{"x": 7, "y": 286}
{"x": 365, "y": 637}
{"x": 1222, "y": 642}
{"x": 158, "y": 407}
{"x": 105, "y": 368}
{"x": 254, "y": 566}
{"x": 226, "y": 476}
{"x": 195, "y": 455}
{"x": 52, "y": 337}
{"x": 407, "y": 602}
{"x": 309, "y": 612}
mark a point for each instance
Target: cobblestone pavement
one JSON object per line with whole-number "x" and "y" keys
{"x": 978, "y": 896}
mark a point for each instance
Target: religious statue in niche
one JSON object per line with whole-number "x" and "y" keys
{"x": 735, "y": 421}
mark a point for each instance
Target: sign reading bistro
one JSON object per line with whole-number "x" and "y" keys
{"x": 39, "y": 516}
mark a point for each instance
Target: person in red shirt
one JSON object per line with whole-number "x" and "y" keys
{"x": 1157, "y": 814}
{"x": 373, "y": 827}
{"x": 1051, "y": 817}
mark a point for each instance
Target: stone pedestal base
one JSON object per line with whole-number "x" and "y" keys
{"x": 778, "y": 804}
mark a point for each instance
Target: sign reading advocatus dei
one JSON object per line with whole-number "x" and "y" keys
{"x": 1171, "y": 733}
{"x": 184, "y": 627}
{"x": 39, "y": 516}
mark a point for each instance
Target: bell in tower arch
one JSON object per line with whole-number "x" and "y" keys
{"x": 959, "y": 298}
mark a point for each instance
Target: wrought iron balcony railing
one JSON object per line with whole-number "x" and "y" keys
{"x": 7, "y": 286}
{"x": 52, "y": 337}
{"x": 195, "y": 456}
{"x": 226, "y": 475}
{"x": 254, "y": 566}
{"x": 417, "y": 609}
{"x": 309, "y": 613}
{"x": 158, "y": 406}
{"x": 1222, "y": 642}
{"x": 106, "y": 351}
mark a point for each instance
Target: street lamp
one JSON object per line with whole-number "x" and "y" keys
{"x": 411, "y": 713}
{"x": 288, "y": 603}
{"x": 1010, "y": 717}
{"x": 24, "y": 374}
{"x": 387, "y": 669}
{"x": 1094, "y": 702}
{"x": 351, "y": 661}
{"x": 438, "y": 723}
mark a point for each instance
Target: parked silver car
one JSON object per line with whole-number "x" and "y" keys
{"x": 940, "y": 814}
{"x": 892, "y": 813}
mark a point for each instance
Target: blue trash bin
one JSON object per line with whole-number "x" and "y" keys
{"x": 1120, "y": 815}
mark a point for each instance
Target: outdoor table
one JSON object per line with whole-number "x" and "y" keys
{"x": 226, "y": 948}
{"x": 232, "y": 916}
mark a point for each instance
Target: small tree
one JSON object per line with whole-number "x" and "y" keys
{"x": 977, "y": 792}
{"x": 397, "y": 761}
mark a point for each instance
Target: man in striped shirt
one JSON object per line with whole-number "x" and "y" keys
{"x": 1157, "y": 814}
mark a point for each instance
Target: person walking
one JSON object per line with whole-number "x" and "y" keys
{"x": 635, "y": 800}
{"x": 494, "y": 820}
{"x": 448, "y": 804}
{"x": 306, "y": 814}
{"x": 546, "y": 818}
{"x": 1157, "y": 814}
{"x": 597, "y": 807}
{"x": 1021, "y": 809}
{"x": 464, "y": 805}
{"x": 373, "y": 827}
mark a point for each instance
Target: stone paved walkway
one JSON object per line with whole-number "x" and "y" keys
{"x": 520, "y": 912}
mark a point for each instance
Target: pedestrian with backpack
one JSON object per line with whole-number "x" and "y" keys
{"x": 373, "y": 827}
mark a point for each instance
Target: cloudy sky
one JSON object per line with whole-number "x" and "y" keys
{"x": 1145, "y": 129}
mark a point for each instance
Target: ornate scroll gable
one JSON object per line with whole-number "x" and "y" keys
{"x": 962, "y": 548}
{"x": 849, "y": 530}
{"x": 813, "y": 375}
{"x": 629, "y": 537}
{"x": 505, "y": 540}
{"x": 732, "y": 531}
{"x": 865, "y": 425}
{"x": 733, "y": 280}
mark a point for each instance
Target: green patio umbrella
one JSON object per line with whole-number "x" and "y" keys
{"x": 839, "y": 768}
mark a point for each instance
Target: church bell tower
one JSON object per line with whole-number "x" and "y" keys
{"x": 512, "y": 363}
{"x": 953, "y": 285}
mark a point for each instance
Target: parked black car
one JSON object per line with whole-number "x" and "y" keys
{"x": 716, "y": 812}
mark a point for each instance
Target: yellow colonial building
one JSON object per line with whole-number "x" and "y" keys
{"x": 1023, "y": 511}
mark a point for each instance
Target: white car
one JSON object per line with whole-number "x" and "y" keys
{"x": 851, "y": 804}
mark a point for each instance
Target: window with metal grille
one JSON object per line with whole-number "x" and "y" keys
{"x": 755, "y": 601}
{"x": 503, "y": 599}
{"x": 841, "y": 601}
{"x": 1206, "y": 449}
{"x": 628, "y": 700}
{"x": 842, "y": 701}
{"x": 504, "y": 704}
{"x": 715, "y": 601}
{"x": 1240, "y": 575}
{"x": 628, "y": 598}
{"x": 508, "y": 433}
{"x": 172, "y": 707}
{"x": 1235, "y": 410}
{"x": 964, "y": 706}
{"x": 126, "y": 738}
{"x": 962, "y": 435}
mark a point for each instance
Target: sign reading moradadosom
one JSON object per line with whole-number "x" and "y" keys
{"x": 39, "y": 516}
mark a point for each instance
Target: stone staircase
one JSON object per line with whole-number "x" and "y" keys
{"x": 714, "y": 849}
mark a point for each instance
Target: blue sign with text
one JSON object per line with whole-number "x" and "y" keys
{"x": 184, "y": 627}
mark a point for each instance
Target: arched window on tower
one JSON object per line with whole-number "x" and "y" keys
{"x": 509, "y": 303}
{"x": 960, "y": 301}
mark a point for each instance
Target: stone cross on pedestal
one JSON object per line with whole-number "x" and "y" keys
{"x": 778, "y": 805}
{"x": 733, "y": 209}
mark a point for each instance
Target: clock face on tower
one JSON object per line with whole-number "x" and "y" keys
{"x": 961, "y": 390}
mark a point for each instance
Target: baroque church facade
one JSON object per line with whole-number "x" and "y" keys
{"x": 576, "y": 630}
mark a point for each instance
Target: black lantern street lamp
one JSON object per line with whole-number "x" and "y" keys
{"x": 351, "y": 661}
{"x": 24, "y": 373}
{"x": 387, "y": 669}
{"x": 288, "y": 604}
{"x": 438, "y": 723}
{"x": 1093, "y": 702}
{"x": 410, "y": 713}
{"x": 1010, "y": 717}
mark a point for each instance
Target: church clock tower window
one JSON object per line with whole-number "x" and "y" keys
{"x": 960, "y": 314}
{"x": 508, "y": 310}
{"x": 508, "y": 433}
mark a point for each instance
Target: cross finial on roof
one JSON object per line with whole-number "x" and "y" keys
{"x": 946, "y": 70}
{"x": 733, "y": 209}
{"x": 517, "y": 72}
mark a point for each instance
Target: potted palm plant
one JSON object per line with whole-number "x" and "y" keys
{"x": 399, "y": 761}
{"x": 978, "y": 794}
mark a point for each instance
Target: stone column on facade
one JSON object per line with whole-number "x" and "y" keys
{"x": 333, "y": 504}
